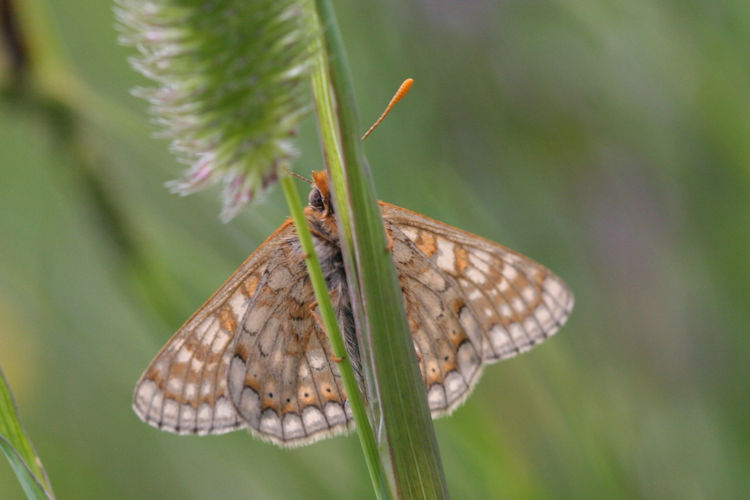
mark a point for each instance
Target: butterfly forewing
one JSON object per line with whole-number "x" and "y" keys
{"x": 446, "y": 334}
{"x": 184, "y": 389}
{"x": 253, "y": 356}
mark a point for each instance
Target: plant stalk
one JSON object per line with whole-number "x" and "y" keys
{"x": 396, "y": 391}
{"x": 356, "y": 402}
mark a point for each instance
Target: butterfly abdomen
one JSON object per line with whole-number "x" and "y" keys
{"x": 332, "y": 265}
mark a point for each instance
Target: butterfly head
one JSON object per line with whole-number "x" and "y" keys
{"x": 320, "y": 198}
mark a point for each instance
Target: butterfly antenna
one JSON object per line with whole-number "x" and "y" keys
{"x": 400, "y": 93}
{"x": 300, "y": 177}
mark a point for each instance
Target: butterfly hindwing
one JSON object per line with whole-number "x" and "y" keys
{"x": 282, "y": 378}
{"x": 446, "y": 333}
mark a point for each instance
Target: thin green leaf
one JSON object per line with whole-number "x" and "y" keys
{"x": 408, "y": 442}
{"x": 17, "y": 447}
{"x": 356, "y": 403}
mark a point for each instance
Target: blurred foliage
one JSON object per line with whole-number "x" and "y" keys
{"x": 608, "y": 140}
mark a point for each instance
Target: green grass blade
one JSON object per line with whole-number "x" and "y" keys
{"x": 408, "y": 442}
{"x": 356, "y": 402}
{"x": 17, "y": 447}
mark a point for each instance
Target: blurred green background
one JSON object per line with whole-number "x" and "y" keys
{"x": 610, "y": 140}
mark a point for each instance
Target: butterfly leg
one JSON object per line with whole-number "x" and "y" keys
{"x": 321, "y": 236}
{"x": 319, "y": 321}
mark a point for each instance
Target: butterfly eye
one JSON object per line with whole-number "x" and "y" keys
{"x": 316, "y": 200}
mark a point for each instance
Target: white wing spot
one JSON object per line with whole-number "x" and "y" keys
{"x": 555, "y": 289}
{"x": 196, "y": 365}
{"x": 500, "y": 338}
{"x": 183, "y": 355}
{"x": 478, "y": 263}
{"x": 174, "y": 385}
{"x": 205, "y": 414}
{"x": 293, "y": 426}
{"x": 516, "y": 332}
{"x": 560, "y": 311}
{"x": 446, "y": 260}
{"x": 544, "y": 317}
{"x": 221, "y": 341}
{"x": 206, "y": 388}
{"x": 475, "y": 276}
{"x": 270, "y": 424}
{"x": 470, "y": 325}
{"x": 237, "y": 372}
{"x": 144, "y": 394}
{"x": 161, "y": 367}
{"x": 169, "y": 414}
{"x": 436, "y": 397}
{"x": 468, "y": 360}
{"x": 250, "y": 406}
{"x": 335, "y": 413}
{"x": 204, "y": 326}
{"x": 506, "y": 311}
{"x": 313, "y": 419}
{"x": 481, "y": 254}
{"x": 513, "y": 259}
{"x": 410, "y": 232}
{"x": 317, "y": 359}
{"x": 224, "y": 411}
{"x": 210, "y": 336}
{"x": 237, "y": 303}
{"x": 154, "y": 413}
{"x": 454, "y": 386}
{"x": 532, "y": 328}
{"x": 187, "y": 418}
{"x": 191, "y": 390}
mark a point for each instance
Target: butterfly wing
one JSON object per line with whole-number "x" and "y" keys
{"x": 282, "y": 378}
{"x": 469, "y": 301}
{"x": 184, "y": 389}
{"x": 254, "y": 356}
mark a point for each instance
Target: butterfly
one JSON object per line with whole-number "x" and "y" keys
{"x": 254, "y": 356}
